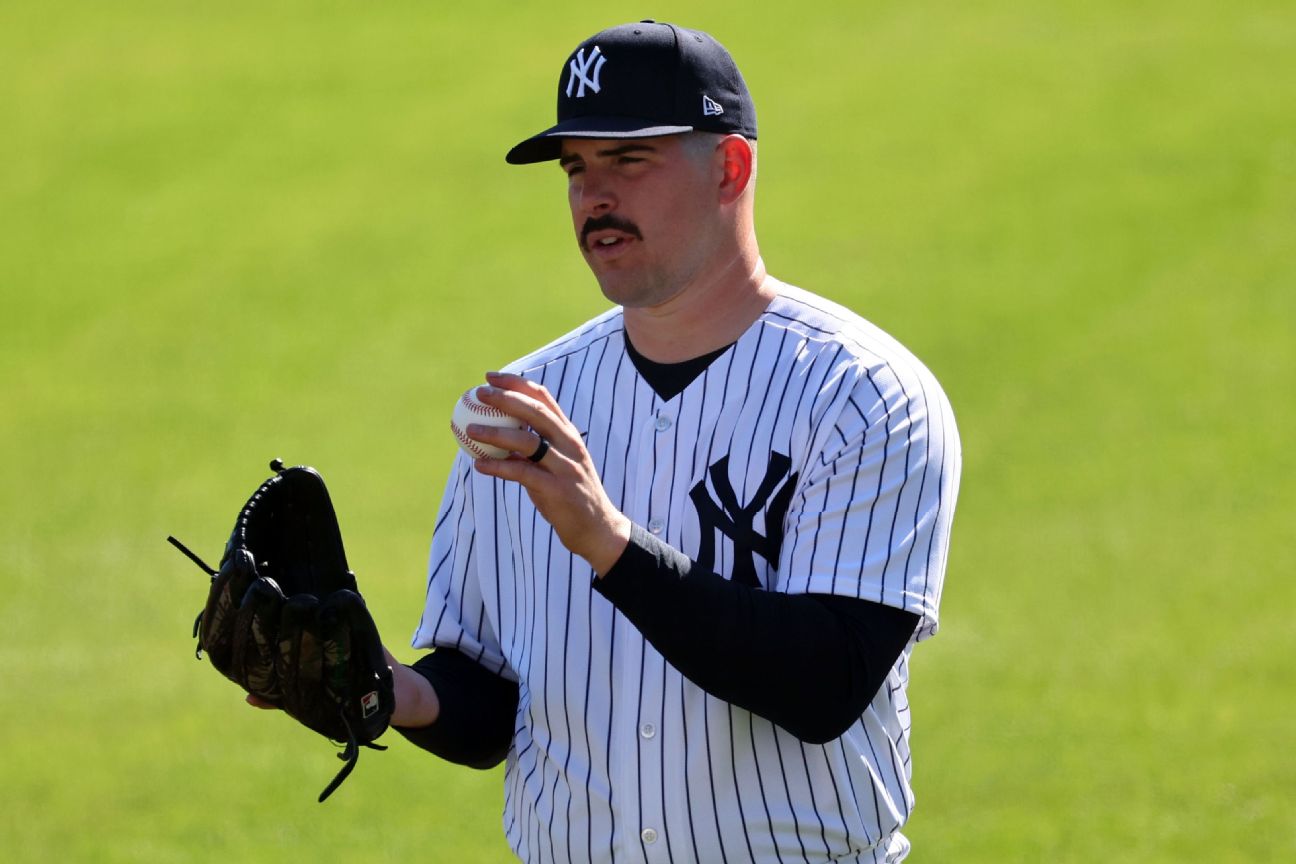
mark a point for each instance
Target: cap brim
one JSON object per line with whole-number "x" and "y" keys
{"x": 547, "y": 145}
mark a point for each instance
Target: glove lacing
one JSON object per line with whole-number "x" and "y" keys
{"x": 203, "y": 565}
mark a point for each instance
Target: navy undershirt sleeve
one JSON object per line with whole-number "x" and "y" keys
{"x": 475, "y": 726}
{"x": 810, "y": 663}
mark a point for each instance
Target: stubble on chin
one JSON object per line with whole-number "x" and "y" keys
{"x": 636, "y": 290}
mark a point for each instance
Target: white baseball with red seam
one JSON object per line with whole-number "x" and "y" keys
{"x": 469, "y": 409}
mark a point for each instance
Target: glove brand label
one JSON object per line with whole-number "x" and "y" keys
{"x": 369, "y": 704}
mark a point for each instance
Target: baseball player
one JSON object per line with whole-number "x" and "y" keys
{"x": 682, "y": 610}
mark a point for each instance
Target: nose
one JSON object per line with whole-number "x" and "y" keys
{"x": 593, "y": 194}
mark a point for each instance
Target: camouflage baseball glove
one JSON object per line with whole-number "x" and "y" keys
{"x": 284, "y": 619}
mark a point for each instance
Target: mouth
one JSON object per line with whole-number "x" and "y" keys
{"x": 607, "y": 245}
{"x": 607, "y": 237}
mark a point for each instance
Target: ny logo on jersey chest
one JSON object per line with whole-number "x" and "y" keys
{"x": 736, "y": 520}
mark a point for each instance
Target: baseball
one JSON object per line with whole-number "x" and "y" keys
{"x": 469, "y": 410}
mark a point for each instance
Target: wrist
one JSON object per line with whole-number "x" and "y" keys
{"x": 609, "y": 545}
{"x": 417, "y": 704}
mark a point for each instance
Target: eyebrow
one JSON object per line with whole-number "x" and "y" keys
{"x": 612, "y": 151}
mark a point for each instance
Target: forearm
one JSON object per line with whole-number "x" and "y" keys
{"x": 457, "y": 709}
{"x": 810, "y": 663}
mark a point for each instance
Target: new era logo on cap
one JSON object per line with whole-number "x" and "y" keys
{"x": 710, "y": 107}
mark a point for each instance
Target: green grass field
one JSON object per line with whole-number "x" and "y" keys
{"x": 242, "y": 230}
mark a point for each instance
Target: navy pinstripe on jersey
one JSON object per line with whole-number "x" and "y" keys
{"x": 616, "y": 756}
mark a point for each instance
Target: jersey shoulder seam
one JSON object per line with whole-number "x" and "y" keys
{"x": 584, "y": 337}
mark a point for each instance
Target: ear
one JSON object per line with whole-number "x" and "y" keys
{"x": 736, "y": 159}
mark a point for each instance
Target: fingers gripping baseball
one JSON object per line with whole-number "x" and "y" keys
{"x": 563, "y": 485}
{"x": 535, "y": 406}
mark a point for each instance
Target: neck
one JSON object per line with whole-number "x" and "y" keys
{"x": 705, "y": 315}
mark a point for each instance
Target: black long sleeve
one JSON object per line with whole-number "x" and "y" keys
{"x": 810, "y": 663}
{"x": 475, "y": 725}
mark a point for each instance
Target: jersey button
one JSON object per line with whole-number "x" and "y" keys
{"x": 648, "y": 835}
{"x": 655, "y": 526}
{"x": 663, "y": 422}
{"x": 647, "y": 730}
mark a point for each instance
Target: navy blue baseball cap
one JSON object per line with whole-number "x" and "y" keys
{"x": 640, "y": 81}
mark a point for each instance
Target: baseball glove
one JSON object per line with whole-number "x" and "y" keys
{"x": 285, "y": 621}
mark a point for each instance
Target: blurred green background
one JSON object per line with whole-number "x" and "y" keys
{"x": 242, "y": 230}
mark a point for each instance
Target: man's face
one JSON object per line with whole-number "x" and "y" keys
{"x": 644, "y": 211}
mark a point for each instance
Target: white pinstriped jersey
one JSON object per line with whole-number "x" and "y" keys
{"x": 618, "y": 757}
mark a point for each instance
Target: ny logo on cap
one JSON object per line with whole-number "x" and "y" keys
{"x": 580, "y": 71}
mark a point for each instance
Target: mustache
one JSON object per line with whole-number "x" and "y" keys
{"x": 604, "y": 222}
